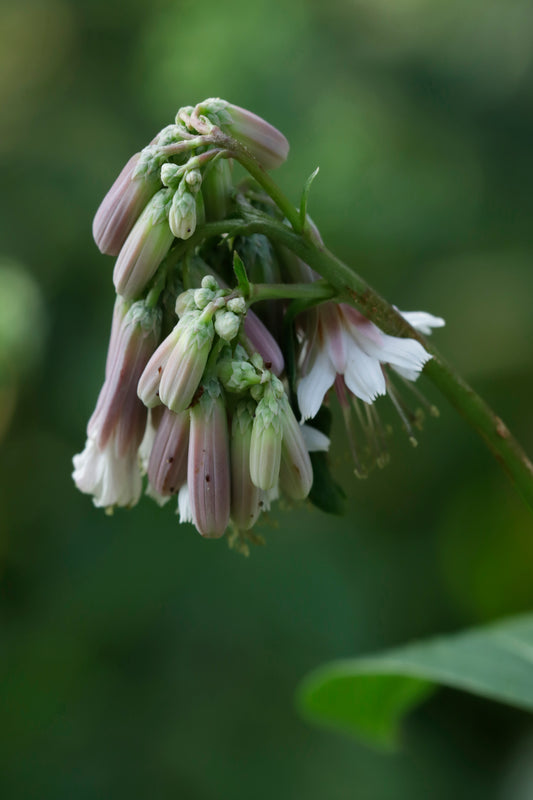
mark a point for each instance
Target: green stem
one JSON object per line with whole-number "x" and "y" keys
{"x": 318, "y": 291}
{"x": 261, "y": 176}
{"x": 351, "y": 288}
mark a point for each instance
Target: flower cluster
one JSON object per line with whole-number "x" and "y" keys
{"x": 196, "y": 397}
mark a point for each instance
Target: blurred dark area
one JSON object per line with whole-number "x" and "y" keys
{"x": 136, "y": 658}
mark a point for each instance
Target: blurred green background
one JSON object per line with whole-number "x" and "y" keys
{"x": 138, "y": 660}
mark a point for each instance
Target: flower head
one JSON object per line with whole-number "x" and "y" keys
{"x": 343, "y": 342}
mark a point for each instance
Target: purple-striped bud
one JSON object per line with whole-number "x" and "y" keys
{"x": 108, "y": 468}
{"x": 167, "y": 466}
{"x": 296, "y": 472}
{"x": 266, "y": 143}
{"x": 144, "y": 249}
{"x": 264, "y": 343}
{"x": 265, "y": 445}
{"x": 121, "y": 207}
{"x": 182, "y": 373}
{"x": 246, "y": 498}
{"x": 118, "y": 408}
{"x": 208, "y": 475}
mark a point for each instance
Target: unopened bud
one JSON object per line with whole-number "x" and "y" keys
{"x": 182, "y": 215}
{"x": 209, "y": 282}
{"x": 265, "y": 445}
{"x": 296, "y": 473}
{"x": 202, "y": 297}
{"x": 144, "y": 249}
{"x": 186, "y": 364}
{"x": 167, "y": 466}
{"x": 237, "y": 305}
{"x": 121, "y": 207}
{"x": 193, "y": 179}
{"x": 227, "y": 325}
{"x": 246, "y": 497}
{"x": 170, "y": 174}
{"x": 208, "y": 475}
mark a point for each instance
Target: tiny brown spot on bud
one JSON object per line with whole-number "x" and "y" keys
{"x": 207, "y": 478}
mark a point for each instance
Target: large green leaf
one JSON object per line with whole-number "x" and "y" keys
{"x": 369, "y": 696}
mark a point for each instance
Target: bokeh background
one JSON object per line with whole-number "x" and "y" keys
{"x": 138, "y": 660}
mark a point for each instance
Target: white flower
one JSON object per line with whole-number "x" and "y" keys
{"x": 343, "y": 342}
{"x": 112, "y": 477}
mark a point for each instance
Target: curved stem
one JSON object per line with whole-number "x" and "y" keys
{"x": 314, "y": 292}
{"x": 351, "y": 288}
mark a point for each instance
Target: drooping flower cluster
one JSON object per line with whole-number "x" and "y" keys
{"x": 196, "y": 396}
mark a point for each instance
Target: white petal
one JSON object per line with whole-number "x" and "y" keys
{"x": 184, "y": 504}
{"x": 315, "y": 440}
{"x": 313, "y": 386}
{"x": 404, "y": 353}
{"x": 364, "y": 376}
{"x": 422, "y": 321}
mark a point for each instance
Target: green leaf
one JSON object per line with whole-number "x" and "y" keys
{"x": 240, "y": 273}
{"x": 305, "y": 196}
{"x": 368, "y": 696}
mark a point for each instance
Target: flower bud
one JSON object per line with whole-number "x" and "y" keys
{"x": 148, "y": 386}
{"x": 167, "y": 466}
{"x": 266, "y": 440}
{"x": 208, "y": 475}
{"x": 264, "y": 343}
{"x": 182, "y": 215}
{"x": 237, "y": 305}
{"x": 118, "y": 407}
{"x": 186, "y": 363}
{"x": 203, "y": 297}
{"x": 108, "y": 467}
{"x": 266, "y": 143}
{"x": 144, "y": 249}
{"x": 227, "y": 325}
{"x": 185, "y": 302}
{"x": 121, "y": 207}
{"x": 170, "y": 173}
{"x": 296, "y": 472}
{"x": 246, "y": 498}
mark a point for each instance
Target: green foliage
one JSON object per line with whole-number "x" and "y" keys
{"x": 368, "y": 696}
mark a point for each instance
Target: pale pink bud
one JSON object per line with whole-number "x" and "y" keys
{"x": 144, "y": 249}
{"x": 208, "y": 475}
{"x": 118, "y": 410}
{"x": 296, "y": 472}
{"x": 108, "y": 467}
{"x": 264, "y": 343}
{"x": 246, "y": 498}
{"x": 148, "y": 386}
{"x": 121, "y": 206}
{"x": 186, "y": 363}
{"x": 265, "y": 142}
{"x": 167, "y": 466}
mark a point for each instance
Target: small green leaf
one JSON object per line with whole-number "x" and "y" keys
{"x": 240, "y": 273}
{"x": 305, "y": 196}
{"x": 367, "y": 697}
